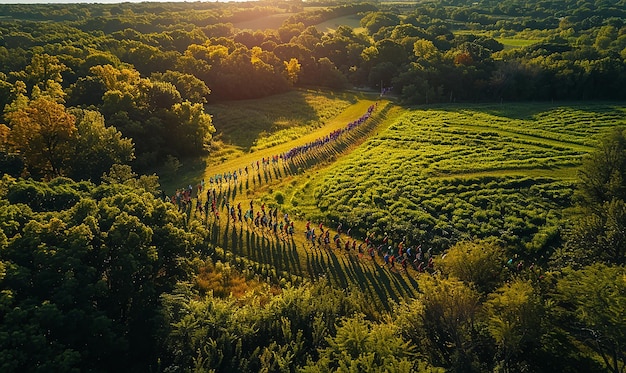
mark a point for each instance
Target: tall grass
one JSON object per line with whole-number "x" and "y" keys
{"x": 442, "y": 174}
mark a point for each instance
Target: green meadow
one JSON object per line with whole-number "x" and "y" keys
{"x": 352, "y": 21}
{"x": 512, "y": 43}
{"x": 439, "y": 175}
{"x": 433, "y": 175}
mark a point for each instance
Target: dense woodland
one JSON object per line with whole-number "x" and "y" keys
{"x": 98, "y": 272}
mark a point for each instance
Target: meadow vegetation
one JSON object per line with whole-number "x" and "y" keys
{"x": 258, "y": 124}
{"x": 516, "y": 198}
{"x": 442, "y": 175}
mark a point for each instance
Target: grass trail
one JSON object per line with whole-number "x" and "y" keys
{"x": 350, "y": 114}
{"x": 294, "y": 254}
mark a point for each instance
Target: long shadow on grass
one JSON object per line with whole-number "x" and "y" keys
{"x": 259, "y": 117}
{"x": 385, "y": 280}
{"x": 366, "y": 281}
{"x": 402, "y": 286}
{"x": 291, "y": 251}
{"x": 382, "y": 294}
{"x": 225, "y": 244}
{"x": 336, "y": 270}
{"x": 316, "y": 265}
{"x": 356, "y": 274}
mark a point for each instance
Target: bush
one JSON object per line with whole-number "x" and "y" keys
{"x": 280, "y": 198}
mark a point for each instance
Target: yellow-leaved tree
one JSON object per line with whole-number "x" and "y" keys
{"x": 42, "y": 132}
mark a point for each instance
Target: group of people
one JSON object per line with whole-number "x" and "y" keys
{"x": 332, "y": 136}
{"x": 233, "y": 176}
{"x": 391, "y": 254}
{"x": 395, "y": 256}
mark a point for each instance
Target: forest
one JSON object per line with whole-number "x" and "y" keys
{"x": 466, "y": 160}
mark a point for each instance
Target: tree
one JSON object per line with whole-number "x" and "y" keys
{"x": 603, "y": 174}
{"x": 42, "y": 132}
{"x": 449, "y": 317}
{"x": 514, "y": 321}
{"x": 374, "y": 21}
{"x": 188, "y": 129}
{"x": 81, "y": 282}
{"x": 97, "y": 147}
{"x": 191, "y": 88}
{"x": 594, "y": 299}
{"x": 598, "y": 233}
{"x": 44, "y": 69}
{"x": 479, "y": 263}
{"x": 292, "y": 68}
{"x": 363, "y": 346}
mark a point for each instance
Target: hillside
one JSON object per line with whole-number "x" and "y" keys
{"x": 273, "y": 186}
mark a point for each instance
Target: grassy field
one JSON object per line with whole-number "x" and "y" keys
{"x": 443, "y": 174}
{"x": 252, "y": 125}
{"x": 512, "y": 43}
{"x": 243, "y": 127}
{"x": 519, "y": 40}
{"x": 273, "y": 21}
{"x": 352, "y": 21}
{"x": 437, "y": 175}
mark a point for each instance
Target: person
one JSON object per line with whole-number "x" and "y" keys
{"x": 404, "y": 263}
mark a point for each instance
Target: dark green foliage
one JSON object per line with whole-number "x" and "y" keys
{"x": 59, "y": 194}
{"x": 593, "y": 301}
{"x": 603, "y": 175}
{"x": 11, "y": 164}
{"x": 81, "y": 280}
{"x": 597, "y": 233}
{"x": 279, "y": 335}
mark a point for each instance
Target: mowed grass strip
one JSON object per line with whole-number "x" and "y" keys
{"x": 295, "y": 255}
{"x": 307, "y": 134}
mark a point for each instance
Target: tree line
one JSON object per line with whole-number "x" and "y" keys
{"x": 148, "y": 69}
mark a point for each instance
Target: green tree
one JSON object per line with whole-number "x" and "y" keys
{"x": 443, "y": 322}
{"x": 594, "y": 299}
{"x": 365, "y": 346}
{"x": 96, "y": 147}
{"x": 597, "y": 234}
{"x": 475, "y": 262}
{"x": 191, "y": 88}
{"x": 374, "y": 21}
{"x": 43, "y": 70}
{"x": 514, "y": 314}
{"x": 193, "y": 129}
{"x": 603, "y": 174}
